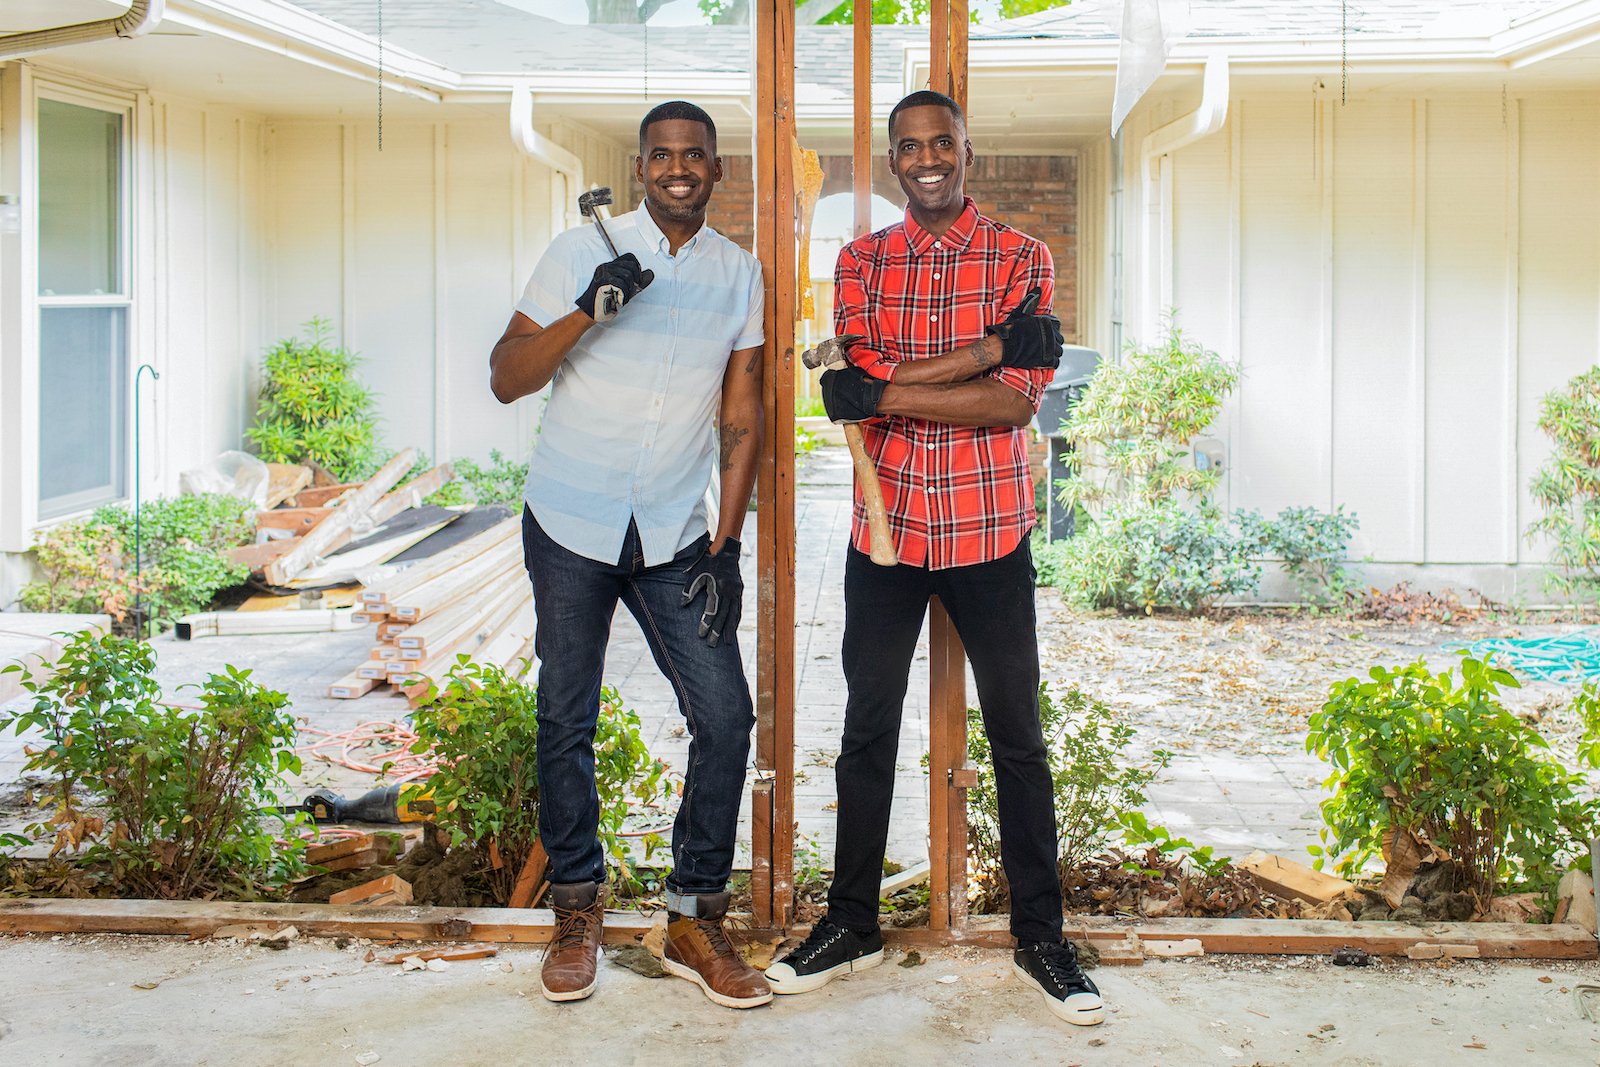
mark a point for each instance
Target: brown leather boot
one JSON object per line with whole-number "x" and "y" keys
{"x": 698, "y": 949}
{"x": 570, "y": 958}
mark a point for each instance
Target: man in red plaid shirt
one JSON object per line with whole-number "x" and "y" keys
{"x": 956, "y": 349}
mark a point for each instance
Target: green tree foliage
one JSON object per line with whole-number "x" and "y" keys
{"x": 160, "y": 800}
{"x": 1439, "y": 756}
{"x": 1567, "y": 487}
{"x": 1091, "y": 775}
{"x": 89, "y": 564}
{"x": 313, "y": 408}
{"x": 481, "y": 725}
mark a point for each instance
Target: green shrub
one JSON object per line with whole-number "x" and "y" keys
{"x": 1135, "y": 425}
{"x": 805, "y": 442}
{"x": 1567, "y": 487}
{"x": 809, "y": 407}
{"x": 1312, "y": 546}
{"x": 1091, "y": 775}
{"x": 313, "y": 408}
{"x": 1156, "y": 556}
{"x": 89, "y": 564}
{"x": 1441, "y": 757}
{"x": 501, "y": 482}
{"x": 165, "y": 797}
{"x": 481, "y": 725}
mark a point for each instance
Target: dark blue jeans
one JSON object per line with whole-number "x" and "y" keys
{"x": 575, "y": 598}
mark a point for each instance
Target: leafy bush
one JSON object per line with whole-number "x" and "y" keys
{"x": 314, "y": 409}
{"x": 1135, "y": 424}
{"x": 1312, "y": 546}
{"x": 1091, "y": 778}
{"x": 1442, "y": 758}
{"x": 481, "y": 724}
{"x": 1567, "y": 487}
{"x": 1154, "y": 840}
{"x": 166, "y": 797}
{"x": 805, "y": 442}
{"x": 89, "y": 564}
{"x": 501, "y": 482}
{"x": 1157, "y": 556}
{"x": 809, "y": 407}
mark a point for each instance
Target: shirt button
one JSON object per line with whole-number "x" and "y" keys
{"x": 930, "y": 446}
{"x": 935, "y": 275}
{"x": 934, "y": 318}
{"x": 936, "y": 244}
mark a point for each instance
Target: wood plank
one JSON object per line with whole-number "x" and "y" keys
{"x": 861, "y": 112}
{"x": 761, "y": 858}
{"x": 324, "y": 496}
{"x": 1286, "y": 878}
{"x": 957, "y": 24}
{"x": 947, "y": 754}
{"x": 200, "y": 918}
{"x": 353, "y": 685}
{"x": 369, "y": 893}
{"x": 530, "y": 877}
{"x": 284, "y": 480}
{"x": 258, "y": 556}
{"x": 333, "y": 850}
{"x": 412, "y": 494}
{"x": 427, "y": 570}
{"x": 321, "y": 540}
{"x": 297, "y": 519}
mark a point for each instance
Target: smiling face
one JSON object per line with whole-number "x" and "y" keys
{"x": 929, "y": 153}
{"x": 678, "y": 166}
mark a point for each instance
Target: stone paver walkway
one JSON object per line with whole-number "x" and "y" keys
{"x": 1232, "y": 803}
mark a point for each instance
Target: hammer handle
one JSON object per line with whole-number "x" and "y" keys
{"x": 882, "y": 545}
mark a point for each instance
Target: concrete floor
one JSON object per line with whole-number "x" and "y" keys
{"x": 86, "y": 1000}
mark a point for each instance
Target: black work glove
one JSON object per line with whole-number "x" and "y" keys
{"x": 623, "y": 272}
{"x": 718, "y": 576}
{"x": 1029, "y": 341}
{"x": 850, "y": 394}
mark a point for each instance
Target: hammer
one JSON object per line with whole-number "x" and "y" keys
{"x": 608, "y": 301}
{"x": 829, "y": 355}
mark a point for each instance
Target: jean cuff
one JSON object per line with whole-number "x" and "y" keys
{"x": 687, "y": 904}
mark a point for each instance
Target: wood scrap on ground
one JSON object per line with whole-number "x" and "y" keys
{"x": 1286, "y": 878}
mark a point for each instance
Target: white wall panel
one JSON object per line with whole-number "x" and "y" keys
{"x": 1282, "y": 451}
{"x": 1558, "y": 263}
{"x": 1468, "y": 491}
{"x": 1376, "y": 372}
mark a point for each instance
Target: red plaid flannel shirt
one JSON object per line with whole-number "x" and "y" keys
{"x": 956, "y": 495}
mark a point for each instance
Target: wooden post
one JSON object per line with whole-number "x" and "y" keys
{"x": 949, "y": 777}
{"x": 861, "y": 151}
{"x": 772, "y": 851}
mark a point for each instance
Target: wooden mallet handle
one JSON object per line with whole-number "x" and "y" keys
{"x": 882, "y": 545}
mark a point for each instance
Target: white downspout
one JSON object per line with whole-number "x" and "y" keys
{"x": 1202, "y": 122}
{"x": 542, "y": 149}
{"x": 139, "y": 19}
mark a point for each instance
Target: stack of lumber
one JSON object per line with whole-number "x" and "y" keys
{"x": 322, "y": 519}
{"x": 473, "y": 599}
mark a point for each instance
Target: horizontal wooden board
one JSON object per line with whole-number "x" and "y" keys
{"x": 200, "y": 918}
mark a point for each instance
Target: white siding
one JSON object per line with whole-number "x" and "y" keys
{"x": 416, "y": 255}
{"x": 1401, "y": 279}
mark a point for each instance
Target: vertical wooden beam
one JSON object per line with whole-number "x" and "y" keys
{"x": 773, "y": 28}
{"x": 948, "y": 773}
{"x": 861, "y": 151}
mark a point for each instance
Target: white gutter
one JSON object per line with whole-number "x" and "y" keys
{"x": 139, "y": 19}
{"x": 1200, "y": 123}
{"x": 536, "y": 146}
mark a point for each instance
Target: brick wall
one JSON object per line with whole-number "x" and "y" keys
{"x": 1036, "y": 194}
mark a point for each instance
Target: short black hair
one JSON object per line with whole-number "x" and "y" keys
{"x": 677, "y": 109}
{"x": 927, "y": 98}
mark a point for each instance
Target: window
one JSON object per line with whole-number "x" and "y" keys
{"x": 83, "y": 307}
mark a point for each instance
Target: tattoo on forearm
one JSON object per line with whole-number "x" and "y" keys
{"x": 755, "y": 361}
{"x": 732, "y": 436}
{"x": 980, "y": 353}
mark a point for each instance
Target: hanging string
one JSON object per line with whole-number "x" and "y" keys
{"x": 1344, "y": 51}
{"x": 647, "y": 62}
{"x": 380, "y": 75}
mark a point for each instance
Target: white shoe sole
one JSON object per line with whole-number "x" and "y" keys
{"x": 1085, "y": 1016}
{"x": 693, "y": 975}
{"x": 796, "y": 983}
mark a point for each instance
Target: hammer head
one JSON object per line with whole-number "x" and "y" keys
{"x": 830, "y": 351}
{"x": 592, "y": 199}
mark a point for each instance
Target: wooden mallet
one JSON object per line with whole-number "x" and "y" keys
{"x": 829, "y": 355}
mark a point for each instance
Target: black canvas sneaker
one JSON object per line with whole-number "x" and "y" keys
{"x": 829, "y": 952}
{"x": 1052, "y": 968}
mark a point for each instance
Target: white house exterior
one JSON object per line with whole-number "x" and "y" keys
{"x": 1402, "y": 262}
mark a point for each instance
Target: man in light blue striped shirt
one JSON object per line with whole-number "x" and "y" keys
{"x": 615, "y": 512}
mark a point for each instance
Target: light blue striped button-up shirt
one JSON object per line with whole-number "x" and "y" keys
{"x": 627, "y": 431}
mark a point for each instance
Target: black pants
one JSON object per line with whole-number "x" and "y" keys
{"x": 991, "y": 605}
